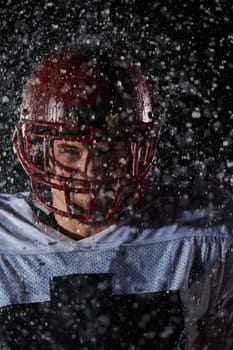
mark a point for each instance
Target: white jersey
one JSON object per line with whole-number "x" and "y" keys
{"x": 192, "y": 256}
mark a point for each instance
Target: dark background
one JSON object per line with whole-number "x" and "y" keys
{"x": 185, "y": 50}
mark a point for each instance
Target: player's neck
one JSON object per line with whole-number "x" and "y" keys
{"x": 78, "y": 230}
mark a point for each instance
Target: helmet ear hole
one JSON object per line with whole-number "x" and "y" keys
{"x": 35, "y": 152}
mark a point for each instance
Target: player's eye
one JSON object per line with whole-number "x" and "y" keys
{"x": 68, "y": 154}
{"x": 110, "y": 150}
{"x": 71, "y": 151}
{"x": 102, "y": 151}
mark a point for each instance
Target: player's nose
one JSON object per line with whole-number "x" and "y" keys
{"x": 92, "y": 165}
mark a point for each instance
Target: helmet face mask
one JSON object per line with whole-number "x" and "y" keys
{"x": 70, "y": 103}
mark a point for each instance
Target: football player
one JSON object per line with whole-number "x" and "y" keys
{"x": 83, "y": 266}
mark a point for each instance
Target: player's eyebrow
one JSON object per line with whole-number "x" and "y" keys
{"x": 65, "y": 145}
{"x": 114, "y": 147}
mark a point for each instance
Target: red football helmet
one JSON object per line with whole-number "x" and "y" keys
{"x": 88, "y": 94}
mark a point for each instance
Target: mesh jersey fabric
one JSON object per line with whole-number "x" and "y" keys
{"x": 189, "y": 256}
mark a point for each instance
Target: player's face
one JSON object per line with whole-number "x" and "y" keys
{"x": 98, "y": 161}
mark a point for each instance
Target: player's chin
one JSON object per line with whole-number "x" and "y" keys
{"x": 96, "y": 211}
{"x": 98, "y": 216}
{"x": 100, "y": 200}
